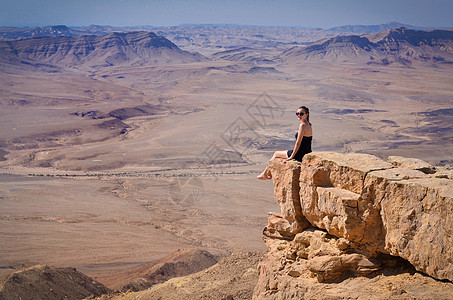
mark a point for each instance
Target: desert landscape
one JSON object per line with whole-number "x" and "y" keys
{"x": 127, "y": 145}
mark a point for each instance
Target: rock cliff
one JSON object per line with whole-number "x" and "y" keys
{"x": 350, "y": 216}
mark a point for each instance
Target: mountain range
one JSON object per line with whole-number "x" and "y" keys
{"x": 368, "y": 29}
{"x": 136, "y": 48}
{"x": 401, "y": 45}
{"x": 14, "y": 33}
{"x": 212, "y": 37}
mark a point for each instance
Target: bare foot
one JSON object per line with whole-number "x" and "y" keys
{"x": 263, "y": 176}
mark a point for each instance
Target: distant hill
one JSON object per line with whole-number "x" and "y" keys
{"x": 368, "y": 29}
{"x": 403, "y": 46}
{"x": 258, "y": 56}
{"x": 189, "y": 33}
{"x": 136, "y": 48}
{"x": 180, "y": 263}
{"x": 44, "y": 282}
{"x": 216, "y": 37}
{"x": 15, "y": 33}
{"x": 18, "y": 33}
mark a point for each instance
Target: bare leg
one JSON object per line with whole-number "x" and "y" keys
{"x": 266, "y": 174}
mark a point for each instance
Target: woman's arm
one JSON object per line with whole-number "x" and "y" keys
{"x": 300, "y": 135}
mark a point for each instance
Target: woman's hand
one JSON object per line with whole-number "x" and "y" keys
{"x": 289, "y": 158}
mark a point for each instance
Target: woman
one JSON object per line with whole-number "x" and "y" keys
{"x": 303, "y": 142}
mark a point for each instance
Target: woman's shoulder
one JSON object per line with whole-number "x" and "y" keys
{"x": 305, "y": 125}
{"x": 301, "y": 127}
{"x": 306, "y": 129}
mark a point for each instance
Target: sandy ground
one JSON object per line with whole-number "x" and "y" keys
{"x": 105, "y": 225}
{"x": 107, "y": 197}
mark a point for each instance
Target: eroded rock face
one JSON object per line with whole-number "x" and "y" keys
{"x": 417, "y": 217}
{"x": 285, "y": 273}
{"x": 286, "y": 191}
{"x": 355, "y": 214}
{"x": 331, "y": 187}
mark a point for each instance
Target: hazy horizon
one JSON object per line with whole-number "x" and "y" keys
{"x": 287, "y": 13}
{"x": 226, "y": 25}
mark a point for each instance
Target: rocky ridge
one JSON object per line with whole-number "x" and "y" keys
{"x": 231, "y": 278}
{"x": 15, "y": 33}
{"x": 401, "y": 45}
{"x": 136, "y": 48}
{"x": 48, "y": 282}
{"x": 44, "y": 282}
{"x": 349, "y": 218}
{"x": 180, "y": 263}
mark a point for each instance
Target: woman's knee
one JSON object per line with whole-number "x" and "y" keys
{"x": 279, "y": 154}
{"x": 275, "y": 155}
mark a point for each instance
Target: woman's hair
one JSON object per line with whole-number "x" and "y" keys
{"x": 307, "y": 111}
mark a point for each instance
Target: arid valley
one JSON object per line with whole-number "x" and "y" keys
{"x": 118, "y": 149}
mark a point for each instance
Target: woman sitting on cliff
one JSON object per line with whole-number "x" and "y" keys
{"x": 303, "y": 142}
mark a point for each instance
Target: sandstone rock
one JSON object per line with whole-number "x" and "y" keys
{"x": 286, "y": 191}
{"x": 398, "y": 174}
{"x": 331, "y": 268}
{"x": 331, "y": 187}
{"x": 412, "y": 163}
{"x": 376, "y": 216}
{"x": 329, "y": 261}
{"x": 443, "y": 172}
{"x": 327, "y": 267}
{"x": 402, "y": 213}
{"x": 278, "y": 227}
{"x": 417, "y": 216}
{"x": 333, "y": 209}
{"x": 317, "y": 243}
{"x": 331, "y": 258}
{"x": 387, "y": 215}
{"x": 345, "y": 171}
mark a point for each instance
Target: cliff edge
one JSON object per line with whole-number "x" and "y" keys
{"x": 355, "y": 220}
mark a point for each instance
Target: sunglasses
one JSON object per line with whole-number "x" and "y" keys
{"x": 300, "y": 114}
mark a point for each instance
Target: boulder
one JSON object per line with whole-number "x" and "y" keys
{"x": 331, "y": 268}
{"x": 278, "y": 227}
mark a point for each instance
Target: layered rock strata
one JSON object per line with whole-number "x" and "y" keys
{"x": 346, "y": 215}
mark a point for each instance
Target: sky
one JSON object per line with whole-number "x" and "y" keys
{"x": 303, "y": 13}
